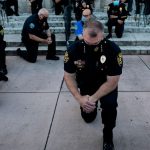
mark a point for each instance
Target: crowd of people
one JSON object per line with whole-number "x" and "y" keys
{"x": 92, "y": 63}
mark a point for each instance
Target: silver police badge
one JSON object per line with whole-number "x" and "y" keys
{"x": 102, "y": 59}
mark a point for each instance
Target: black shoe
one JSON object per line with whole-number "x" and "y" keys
{"x": 3, "y": 77}
{"x": 52, "y": 58}
{"x": 4, "y": 71}
{"x": 16, "y": 14}
{"x": 108, "y": 146}
{"x": 109, "y": 36}
{"x": 18, "y": 51}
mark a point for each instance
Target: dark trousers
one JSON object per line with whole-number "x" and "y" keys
{"x": 119, "y": 28}
{"x": 108, "y": 114}
{"x": 67, "y": 19}
{"x": 78, "y": 14}
{"x": 2, "y": 55}
{"x": 130, "y": 4}
{"x": 36, "y": 6}
{"x": 58, "y": 8}
{"x": 147, "y": 7}
{"x": 32, "y": 49}
{"x": 138, "y": 6}
{"x": 8, "y": 5}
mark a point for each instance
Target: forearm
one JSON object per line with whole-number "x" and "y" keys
{"x": 36, "y": 38}
{"x": 48, "y": 33}
{"x": 72, "y": 85}
{"x": 105, "y": 89}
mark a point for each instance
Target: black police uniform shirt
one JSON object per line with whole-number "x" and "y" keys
{"x": 34, "y": 26}
{"x": 119, "y": 11}
{"x": 92, "y": 64}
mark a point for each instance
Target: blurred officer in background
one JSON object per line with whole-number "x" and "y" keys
{"x": 35, "y": 31}
{"x": 86, "y": 15}
{"x": 117, "y": 14}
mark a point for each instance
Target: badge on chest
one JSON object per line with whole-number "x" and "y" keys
{"x": 103, "y": 59}
{"x": 79, "y": 64}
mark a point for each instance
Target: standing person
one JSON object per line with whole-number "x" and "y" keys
{"x": 117, "y": 14}
{"x": 9, "y": 10}
{"x": 58, "y": 7}
{"x": 36, "y": 5}
{"x": 92, "y": 68}
{"x": 35, "y": 31}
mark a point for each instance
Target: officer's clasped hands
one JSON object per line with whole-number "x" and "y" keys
{"x": 87, "y": 105}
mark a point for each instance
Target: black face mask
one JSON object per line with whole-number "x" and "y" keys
{"x": 43, "y": 20}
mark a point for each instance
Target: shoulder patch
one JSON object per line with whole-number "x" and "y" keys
{"x": 32, "y": 25}
{"x": 66, "y": 57}
{"x": 108, "y": 7}
{"x": 120, "y": 59}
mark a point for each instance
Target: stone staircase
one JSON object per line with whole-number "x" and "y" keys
{"x": 136, "y": 39}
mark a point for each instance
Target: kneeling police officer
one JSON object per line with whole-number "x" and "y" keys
{"x": 117, "y": 14}
{"x": 33, "y": 34}
{"x": 94, "y": 66}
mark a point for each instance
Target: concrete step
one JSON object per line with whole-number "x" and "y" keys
{"x": 53, "y": 17}
{"x": 128, "y": 29}
{"x": 42, "y": 50}
{"x": 126, "y": 50}
{"x": 61, "y": 23}
{"x": 128, "y": 39}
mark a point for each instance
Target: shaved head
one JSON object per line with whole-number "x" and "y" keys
{"x": 86, "y": 12}
{"x": 43, "y": 12}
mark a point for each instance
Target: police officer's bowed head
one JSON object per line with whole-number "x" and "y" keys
{"x": 92, "y": 68}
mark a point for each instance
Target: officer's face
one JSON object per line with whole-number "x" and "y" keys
{"x": 92, "y": 40}
{"x": 84, "y": 4}
{"x": 42, "y": 17}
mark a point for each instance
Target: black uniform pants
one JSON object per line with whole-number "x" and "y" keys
{"x": 138, "y": 6}
{"x": 36, "y": 6}
{"x": 130, "y": 4}
{"x": 78, "y": 14}
{"x": 8, "y": 5}
{"x": 147, "y": 7}
{"x": 119, "y": 28}
{"x": 108, "y": 114}
{"x": 58, "y": 7}
{"x": 2, "y": 55}
{"x": 32, "y": 49}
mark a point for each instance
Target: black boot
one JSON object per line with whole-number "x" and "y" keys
{"x": 3, "y": 77}
{"x": 51, "y": 52}
{"x": 4, "y": 70}
{"x": 108, "y": 146}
